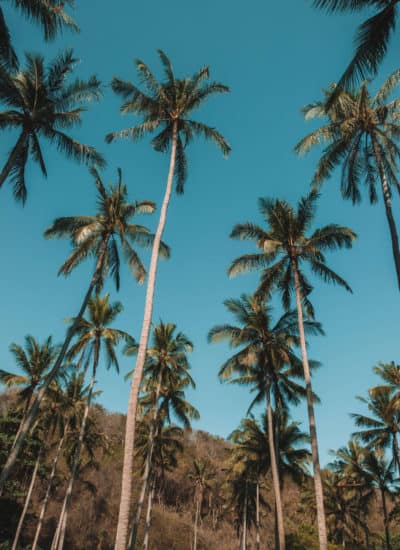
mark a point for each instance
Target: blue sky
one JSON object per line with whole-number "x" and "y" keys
{"x": 276, "y": 57}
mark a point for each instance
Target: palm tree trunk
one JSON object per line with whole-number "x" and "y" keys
{"x": 275, "y": 475}
{"x": 48, "y": 490}
{"x": 31, "y": 415}
{"x": 126, "y": 489}
{"x": 145, "y": 479}
{"x": 319, "y": 495}
{"x": 386, "y": 520}
{"x": 148, "y": 514}
{"x": 387, "y": 199}
{"x": 244, "y": 539}
{"x": 196, "y": 519}
{"x": 257, "y": 516}
{"x": 27, "y": 499}
{"x": 75, "y": 467}
{"x": 396, "y": 451}
{"x": 12, "y": 158}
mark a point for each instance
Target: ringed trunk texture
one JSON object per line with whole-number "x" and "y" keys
{"x": 150, "y": 501}
{"x": 126, "y": 489}
{"x": 275, "y": 476}
{"x": 145, "y": 479}
{"x": 75, "y": 468}
{"x": 319, "y": 495}
{"x": 31, "y": 414}
{"x": 12, "y": 157}
{"x": 27, "y": 501}
{"x": 48, "y": 490}
{"x": 387, "y": 199}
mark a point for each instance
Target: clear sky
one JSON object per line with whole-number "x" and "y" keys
{"x": 276, "y": 57}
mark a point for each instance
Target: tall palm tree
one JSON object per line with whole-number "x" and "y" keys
{"x": 381, "y": 430}
{"x": 48, "y": 14}
{"x": 41, "y": 104}
{"x": 361, "y": 136}
{"x": 284, "y": 247}
{"x": 166, "y": 374}
{"x": 94, "y": 337}
{"x": 372, "y": 37}
{"x": 201, "y": 476}
{"x": 267, "y": 362}
{"x": 165, "y": 108}
{"x": 96, "y": 235}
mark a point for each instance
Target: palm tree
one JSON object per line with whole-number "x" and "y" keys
{"x": 266, "y": 362}
{"x": 201, "y": 476}
{"x": 93, "y": 335}
{"x": 95, "y": 235}
{"x": 165, "y": 108}
{"x": 50, "y": 16}
{"x": 40, "y": 104}
{"x": 361, "y": 136}
{"x": 372, "y": 37}
{"x": 284, "y": 247}
{"x": 381, "y": 429}
{"x": 70, "y": 396}
{"x": 166, "y": 375}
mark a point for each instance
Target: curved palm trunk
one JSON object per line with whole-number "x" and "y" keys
{"x": 244, "y": 539}
{"x": 62, "y": 522}
{"x": 145, "y": 479}
{"x": 148, "y": 514}
{"x": 126, "y": 489}
{"x": 275, "y": 475}
{"x": 48, "y": 490}
{"x": 12, "y": 158}
{"x": 258, "y": 542}
{"x": 27, "y": 500}
{"x": 31, "y": 415}
{"x": 386, "y": 520}
{"x": 388, "y": 207}
{"x": 319, "y": 495}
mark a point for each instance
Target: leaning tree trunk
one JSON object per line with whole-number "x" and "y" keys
{"x": 257, "y": 516}
{"x": 244, "y": 539}
{"x": 386, "y": 520}
{"x": 62, "y": 526}
{"x": 12, "y": 157}
{"x": 27, "y": 499}
{"x": 48, "y": 490}
{"x": 30, "y": 417}
{"x": 126, "y": 489}
{"x": 148, "y": 513}
{"x": 387, "y": 199}
{"x": 145, "y": 479}
{"x": 319, "y": 495}
{"x": 275, "y": 475}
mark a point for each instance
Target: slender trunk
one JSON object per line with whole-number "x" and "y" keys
{"x": 148, "y": 514}
{"x": 396, "y": 452}
{"x": 27, "y": 500}
{"x": 196, "y": 519}
{"x": 30, "y": 417}
{"x": 244, "y": 539}
{"x": 275, "y": 475}
{"x": 319, "y": 496}
{"x": 257, "y": 516}
{"x": 387, "y": 199}
{"x": 12, "y": 158}
{"x": 77, "y": 457}
{"x": 145, "y": 479}
{"x": 48, "y": 490}
{"x": 126, "y": 489}
{"x": 386, "y": 520}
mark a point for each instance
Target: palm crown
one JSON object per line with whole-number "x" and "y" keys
{"x": 167, "y": 105}
{"x": 40, "y": 104}
{"x": 110, "y": 224}
{"x": 285, "y": 245}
